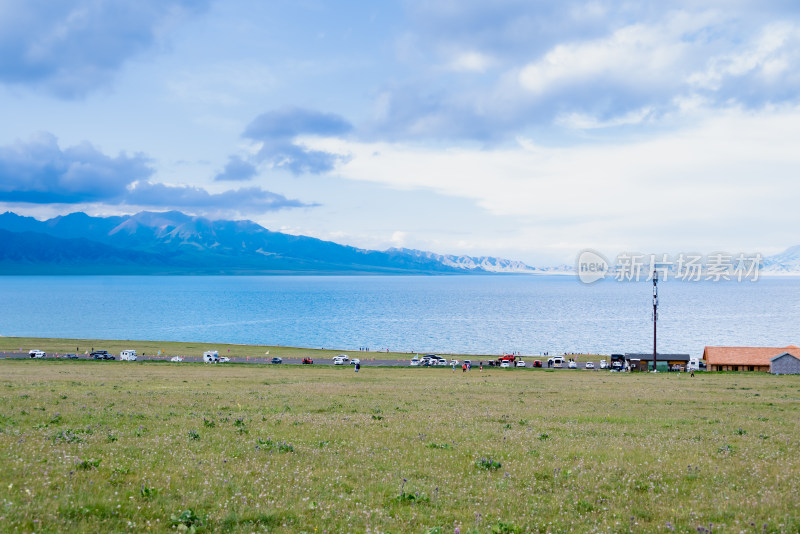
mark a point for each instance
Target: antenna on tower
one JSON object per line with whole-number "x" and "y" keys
{"x": 656, "y": 268}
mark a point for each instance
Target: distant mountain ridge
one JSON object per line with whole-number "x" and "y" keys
{"x": 786, "y": 262}
{"x": 175, "y": 243}
{"x": 484, "y": 263}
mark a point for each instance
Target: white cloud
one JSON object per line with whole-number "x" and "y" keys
{"x": 399, "y": 238}
{"x": 727, "y": 181}
{"x": 582, "y": 121}
{"x": 470, "y": 62}
{"x": 635, "y": 54}
{"x": 769, "y": 55}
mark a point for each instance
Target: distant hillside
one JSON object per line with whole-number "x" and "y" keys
{"x": 176, "y": 243}
{"x": 787, "y": 262}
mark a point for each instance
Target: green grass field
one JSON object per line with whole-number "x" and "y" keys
{"x": 116, "y": 446}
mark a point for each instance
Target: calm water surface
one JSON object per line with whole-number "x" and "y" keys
{"x": 471, "y": 314}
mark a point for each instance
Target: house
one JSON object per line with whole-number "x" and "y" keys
{"x": 744, "y": 358}
{"x": 664, "y": 362}
{"x": 784, "y": 364}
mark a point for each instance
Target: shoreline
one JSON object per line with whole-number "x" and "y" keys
{"x": 234, "y": 350}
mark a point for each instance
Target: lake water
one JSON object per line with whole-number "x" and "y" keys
{"x": 469, "y": 314}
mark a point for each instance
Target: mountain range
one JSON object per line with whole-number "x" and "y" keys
{"x": 176, "y": 243}
{"x": 786, "y": 262}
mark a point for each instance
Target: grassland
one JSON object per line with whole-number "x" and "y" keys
{"x": 91, "y": 446}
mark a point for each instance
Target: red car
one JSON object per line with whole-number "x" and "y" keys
{"x": 537, "y": 363}
{"x": 307, "y": 361}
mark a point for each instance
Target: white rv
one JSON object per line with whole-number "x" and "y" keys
{"x": 693, "y": 365}
{"x": 127, "y": 356}
{"x": 211, "y": 356}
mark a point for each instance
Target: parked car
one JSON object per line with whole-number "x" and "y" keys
{"x": 520, "y": 363}
{"x": 556, "y": 360}
{"x": 557, "y": 365}
{"x": 338, "y": 361}
{"x": 572, "y": 364}
{"x": 37, "y": 353}
{"x": 224, "y": 359}
{"x": 414, "y": 362}
{"x": 344, "y": 357}
{"x": 455, "y": 362}
{"x": 71, "y": 356}
{"x": 355, "y": 361}
{"x": 127, "y": 356}
{"x": 102, "y": 355}
{"x": 589, "y": 365}
{"x": 603, "y": 364}
{"x": 176, "y": 359}
{"x": 537, "y": 363}
{"x": 276, "y": 360}
{"x": 505, "y": 363}
{"x": 307, "y": 361}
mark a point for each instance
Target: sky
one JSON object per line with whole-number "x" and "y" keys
{"x": 529, "y": 130}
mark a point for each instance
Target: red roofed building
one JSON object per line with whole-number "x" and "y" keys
{"x": 744, "y": 358}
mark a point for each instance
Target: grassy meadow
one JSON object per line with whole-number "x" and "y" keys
{"x": 90, "y": 446}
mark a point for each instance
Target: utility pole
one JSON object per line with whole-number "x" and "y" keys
{"x": 655, "y": 313}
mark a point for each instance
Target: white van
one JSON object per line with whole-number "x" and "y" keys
{"x": 693, "y": 365}
{"x": 127, "y": 356}
{"x": 37, "y": 353}
{"x": 211, "y": 356}
{"x": 551, "y": 362}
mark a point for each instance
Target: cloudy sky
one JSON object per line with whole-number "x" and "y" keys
{"x": 524, "y": 129}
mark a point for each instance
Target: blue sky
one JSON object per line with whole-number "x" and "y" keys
{"x": 528, "y": 130}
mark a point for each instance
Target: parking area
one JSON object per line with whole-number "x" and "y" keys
{"x": 553, "y": 363}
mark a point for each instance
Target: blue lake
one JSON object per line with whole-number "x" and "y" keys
{"x": 470, "y": 314}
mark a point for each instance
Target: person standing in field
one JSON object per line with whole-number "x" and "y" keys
{"x": 358, "y": 366}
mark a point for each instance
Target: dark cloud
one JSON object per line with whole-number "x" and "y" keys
{"x": 184, "y": 196}
{"x": 38, "y": 171}
{"x": 276, "y": 130}
{"x": 71, "y": 48}
{"x": 236, "y": 170}
{"x": 286, "y": 124}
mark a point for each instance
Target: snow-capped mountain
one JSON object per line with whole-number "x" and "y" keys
{"x": 786, "y": 262}
{"x": 482, "y": 263}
